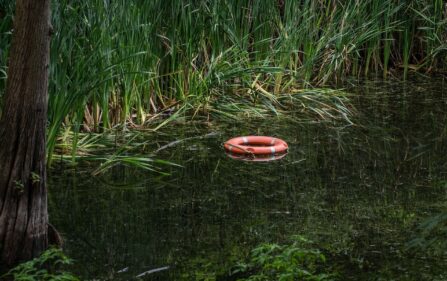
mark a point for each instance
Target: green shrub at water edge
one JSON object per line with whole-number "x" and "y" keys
{"x": 43, "y": 268}
{"x": 295, "y": 261}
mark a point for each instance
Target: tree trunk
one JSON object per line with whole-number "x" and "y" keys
{"x": 23, "y": 194}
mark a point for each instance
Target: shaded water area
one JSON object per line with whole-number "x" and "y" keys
{"x": 359, "y": 192}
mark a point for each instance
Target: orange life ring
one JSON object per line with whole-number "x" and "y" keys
{"x": 257, "y": 145}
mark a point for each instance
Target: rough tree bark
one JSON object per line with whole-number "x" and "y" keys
{"x": 23, "y": 194}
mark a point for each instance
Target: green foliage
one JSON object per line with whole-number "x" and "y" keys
{"x": 102, "y": 149}
{"x": 35, "y": 178}
{"x": 295, "y": 261}
{"x": 19, "y": 186}
{"x": 132, "y": 62}
{"x": 38, "y": 269}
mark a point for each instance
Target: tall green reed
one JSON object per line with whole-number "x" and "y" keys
{"x": 131, "y": 62}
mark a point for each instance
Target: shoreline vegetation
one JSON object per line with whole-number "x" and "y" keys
{"x": 141, "y": 64}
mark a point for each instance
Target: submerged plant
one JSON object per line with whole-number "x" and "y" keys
{"x": 432, "y": 232}
{"x": 109, "y": 150}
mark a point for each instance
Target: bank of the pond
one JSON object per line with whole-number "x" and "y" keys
{"x": 367, "y": 195}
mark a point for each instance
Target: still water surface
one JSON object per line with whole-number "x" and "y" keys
{"x": 358, "y": 191}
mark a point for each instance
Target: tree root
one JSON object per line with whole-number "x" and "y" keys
{"x": 54, "y": 238}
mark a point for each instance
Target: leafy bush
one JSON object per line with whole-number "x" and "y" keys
{"x": 43, "y": 268}
{"x": 296, "y": 261}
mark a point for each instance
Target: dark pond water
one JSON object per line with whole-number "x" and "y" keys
{"x": 358, "y": 191}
